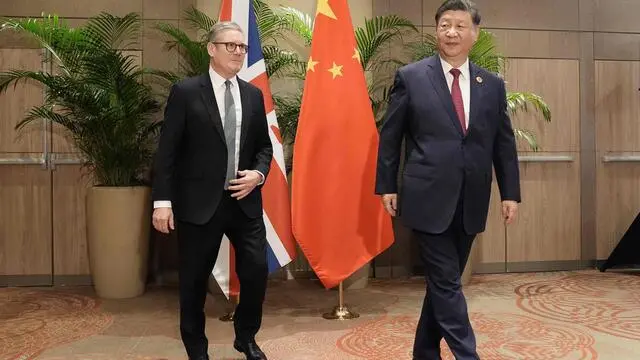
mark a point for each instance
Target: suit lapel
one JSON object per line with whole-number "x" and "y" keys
{"x": 209, "y": 99}
{"x": 436, "y": 74}
{"x": 475, "y": 99}
{"x": 246, "y": 110}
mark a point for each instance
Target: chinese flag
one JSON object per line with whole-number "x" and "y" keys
{"x": 338, "y": 221}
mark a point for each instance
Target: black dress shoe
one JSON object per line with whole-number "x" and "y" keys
{"x": 250, "y": 349}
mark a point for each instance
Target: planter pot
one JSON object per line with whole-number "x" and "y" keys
{"x": 118, "y": 226}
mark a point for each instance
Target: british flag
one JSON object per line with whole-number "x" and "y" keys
{"x": 275, "y": 191}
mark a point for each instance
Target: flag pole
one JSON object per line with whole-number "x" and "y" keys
{"x": 340, "y": 312}
{"x": 235, "y": 300}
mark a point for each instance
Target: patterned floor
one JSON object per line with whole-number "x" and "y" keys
{"x": 565, "y": 315}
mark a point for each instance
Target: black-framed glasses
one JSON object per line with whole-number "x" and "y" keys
{"x": 231, "y": 46}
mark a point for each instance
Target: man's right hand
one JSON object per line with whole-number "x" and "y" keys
{"x": 390, "y": 202}
{"x": 163, "y": 219}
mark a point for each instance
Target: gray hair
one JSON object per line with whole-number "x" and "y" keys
{"x": 221, "y": 27}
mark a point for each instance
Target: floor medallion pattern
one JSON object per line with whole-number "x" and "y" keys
{"x": 34, "y": 320}
{"x": 606, "y": 303}
{"x": 499, "y": 337}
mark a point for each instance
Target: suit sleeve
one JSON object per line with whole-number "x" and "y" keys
{"x": 264, "y": 149}
{"x": 170, "y": 138}
{"x": 505, "y": 155}
{"x": 391, "y": 135}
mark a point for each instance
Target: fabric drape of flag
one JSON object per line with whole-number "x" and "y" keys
{"x": 281, "y": 248}
{"x": 338, "y": 221}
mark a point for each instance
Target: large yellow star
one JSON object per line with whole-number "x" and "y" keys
{"x": 324, "y": 8}
{"x": 311, "y": 65}
{"x": 356, "y": 55}
{"x": 336, "y": 70}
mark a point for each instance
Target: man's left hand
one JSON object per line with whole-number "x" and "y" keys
{"x": 509, "y": 211}
{"x": 245, "y": 183}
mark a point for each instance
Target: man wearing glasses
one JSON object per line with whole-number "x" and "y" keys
{"x": 214, "y": 154}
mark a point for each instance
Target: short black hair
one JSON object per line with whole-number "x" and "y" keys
{"x": 464, "y": 5}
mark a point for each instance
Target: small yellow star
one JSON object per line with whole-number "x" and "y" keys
{"x": 311, "y": 65}
{"x": 324, "y": 8}
{"x": 336, "y": 70}
{"x": 356, "y": 55}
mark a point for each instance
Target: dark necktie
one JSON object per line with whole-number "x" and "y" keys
{"x": 456, "y": 96}
{"x": 230, "y": 133}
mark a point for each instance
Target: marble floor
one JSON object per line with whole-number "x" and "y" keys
{"x": 559, "y": 315}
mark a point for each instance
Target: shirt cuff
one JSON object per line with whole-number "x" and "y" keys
{"x": 261, "y": 176}
{"x": 161, "y": 204}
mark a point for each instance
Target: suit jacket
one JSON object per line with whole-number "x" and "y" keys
{"x": 191, "y": 160}
{"x": 441, "y": 162}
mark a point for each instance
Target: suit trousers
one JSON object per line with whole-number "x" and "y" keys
{"x": 198, "y": 247}
{"x": 444, "y": 310}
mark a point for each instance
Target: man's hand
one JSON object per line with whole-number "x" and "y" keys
{"x": 163, "y": 219}
{"x": 509, "y": 211}
{"x": 245, "y": 183}
{"x": 390, "y": 202}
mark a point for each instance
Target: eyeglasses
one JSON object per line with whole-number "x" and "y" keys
{"x": 231, "y": 46}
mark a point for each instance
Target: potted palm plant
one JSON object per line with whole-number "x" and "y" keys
{"x": 95, "y": 91}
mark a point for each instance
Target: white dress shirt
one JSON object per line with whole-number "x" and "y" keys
{"x": 219, "y": 88}
{"x": 465, "y": 84}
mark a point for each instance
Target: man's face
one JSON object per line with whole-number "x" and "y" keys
{"x": 456, "y": 33}
{"x": 228, "y": 51}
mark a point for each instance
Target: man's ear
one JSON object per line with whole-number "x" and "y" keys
{"x": 476, "y": 32}
{"x": 211, "y": 49}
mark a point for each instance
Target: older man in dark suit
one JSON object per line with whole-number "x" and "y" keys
{"x": 453, "y": 117}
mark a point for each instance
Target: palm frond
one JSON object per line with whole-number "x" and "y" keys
{"x": 524, "y": 101}
{"x": 527, "y": 136}
{"x": 194, "y": 58}
{"x": 288, "y": 111}
{"x": 114, "y": 32}
{"x": 270, "y": 26}
{"x": 378, "y": 32}
{"x": 484, "y": 53}
{"x": 298, "y": 23}
{"x": 282, "y": 63}
{"x": 63, "y": 44}
{"x": 199, "y": 21}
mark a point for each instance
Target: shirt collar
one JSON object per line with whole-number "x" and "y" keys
{"x": 218, "y": 81}
{"x": 464, "y": 68}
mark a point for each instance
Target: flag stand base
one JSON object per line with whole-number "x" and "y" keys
{"x": 228, "y": 317}
{"x": 340, "y": 312}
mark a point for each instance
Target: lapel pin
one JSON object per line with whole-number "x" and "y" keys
{"x": 479, "y": 80}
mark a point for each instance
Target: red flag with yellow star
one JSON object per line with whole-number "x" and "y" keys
{"x": 338, "y": 221}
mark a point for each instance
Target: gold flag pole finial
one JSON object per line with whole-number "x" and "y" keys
{"x": 340, "y": 312}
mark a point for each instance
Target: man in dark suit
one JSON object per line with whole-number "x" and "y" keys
{"x": 213, "y": 156}
{"x": 453, "y": 118}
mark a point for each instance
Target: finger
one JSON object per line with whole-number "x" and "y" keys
{"x": 390, "y": 210}
{"x": 157, "y": 224}
{"x": 161, "y": 228}
{"x": 393, "y": 203}
{"x": 240, "y": 181}
{"x": 240, "y": 194}
{"x": 172, "y": 225}
{"x": 238, "y": 187}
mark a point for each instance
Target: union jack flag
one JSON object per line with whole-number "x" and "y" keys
{"x": 275, "y": 191}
